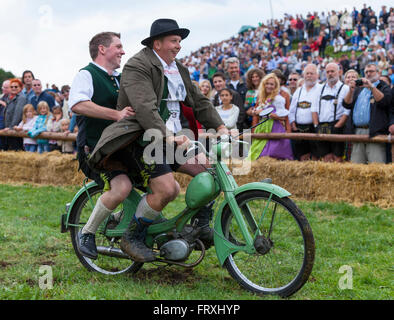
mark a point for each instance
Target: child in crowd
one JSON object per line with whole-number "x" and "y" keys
{"x": 40, "y": 125}
{"x": 28, "y": 119}
{"x": 228, "y": 111}
{"x": 66, "y": 146}
{"x": 54, "y": 125}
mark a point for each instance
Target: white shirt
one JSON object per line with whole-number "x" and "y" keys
{"x": 280, "y": 105}
{"x": 311, "y": 97}
{"x": 229, "y": 117}
{"x": 82, "y": 86}
{"x": 176, "y": 93}
{"x": 234, "y": 83}
{"x": 327, "y": 107}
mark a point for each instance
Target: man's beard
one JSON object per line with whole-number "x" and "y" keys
{"x": 332, "y": 81}
{"x": 310, "y": 83}
{"x": 374, "y": 79}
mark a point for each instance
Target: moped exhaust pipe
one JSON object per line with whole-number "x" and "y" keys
{"x": 112, "y": 252}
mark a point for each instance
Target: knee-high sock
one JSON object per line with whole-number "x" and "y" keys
{"x": 145, "y": 211}
{"x": 100, "y": 212}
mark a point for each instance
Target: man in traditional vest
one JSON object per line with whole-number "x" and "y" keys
{"x": 329, "y": 116}
{"x": 161, "y": 92}
{"x": 93, "y": 97}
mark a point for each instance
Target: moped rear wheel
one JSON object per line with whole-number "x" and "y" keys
{"x": 110, "y": 265}
{"x": 284, "y": 250}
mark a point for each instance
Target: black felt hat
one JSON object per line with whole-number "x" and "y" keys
{"x": 165, "y": 27}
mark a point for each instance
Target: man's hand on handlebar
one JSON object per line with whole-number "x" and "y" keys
{"x": 222, "y": 130}
{"x": 182, "y": 140}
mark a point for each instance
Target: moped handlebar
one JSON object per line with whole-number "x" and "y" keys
{"x": 229, "y": 138}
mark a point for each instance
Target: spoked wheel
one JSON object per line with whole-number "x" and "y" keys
{"x": 284, "y": 249}
{"x": 105, "y": 264}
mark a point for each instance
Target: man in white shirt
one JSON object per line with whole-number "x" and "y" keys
{"x": 93, "y": 98}
{"x": 237, "y": 84}
{"x": 329, "y": 115}
{"x": 300, "y": 116}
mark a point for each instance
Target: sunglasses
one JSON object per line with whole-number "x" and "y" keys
{"x": 14, "y": 87}
{"x": 293, "y": 79}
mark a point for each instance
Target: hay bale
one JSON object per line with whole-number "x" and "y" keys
{"x": 316, "y": 180}
{"x": 310, "y": 180}
{"x": 51, "y": 168}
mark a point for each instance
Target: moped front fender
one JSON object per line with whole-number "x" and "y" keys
{"x": 224, "y": 247}
{"x": 66, "y": 216}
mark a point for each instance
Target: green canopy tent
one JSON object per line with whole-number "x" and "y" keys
{"x": 246, "y": 28}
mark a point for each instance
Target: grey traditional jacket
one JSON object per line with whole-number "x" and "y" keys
{"x": 142, "y": 86}
{"x": 14, "y": 111}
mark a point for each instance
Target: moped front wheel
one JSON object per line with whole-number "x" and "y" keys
{"x": 283, "y": 241}
{"x": 109, "y": 264}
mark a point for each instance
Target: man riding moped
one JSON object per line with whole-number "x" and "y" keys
{"x": 161, "y": 92}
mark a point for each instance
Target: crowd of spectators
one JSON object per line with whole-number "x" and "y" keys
{"x": 26, "y": 106}
{"x": 304, "y": 67}
{"x": 298, "y": 51}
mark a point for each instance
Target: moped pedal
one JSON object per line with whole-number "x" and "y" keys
{"x": 195, "y": 223}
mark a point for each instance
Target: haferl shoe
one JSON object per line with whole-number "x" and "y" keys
{"x": 87, "y": 245}
{"x": 133, "y": 241}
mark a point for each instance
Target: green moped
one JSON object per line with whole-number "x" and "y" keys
{"x": 260, "y": 236}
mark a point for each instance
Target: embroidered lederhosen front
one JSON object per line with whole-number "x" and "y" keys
{"x": 304, "y": 128}
{"x": 303, "y": 147}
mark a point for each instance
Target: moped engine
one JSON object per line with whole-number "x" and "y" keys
{"x": 176, "y": 250}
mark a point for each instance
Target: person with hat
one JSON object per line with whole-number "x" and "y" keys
{"x": 93, "y": 98}
{"x": 166, "y": 101}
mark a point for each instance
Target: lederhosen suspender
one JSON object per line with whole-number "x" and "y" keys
{"x": 335, "y": 101}
{"x": 298, "y": 101}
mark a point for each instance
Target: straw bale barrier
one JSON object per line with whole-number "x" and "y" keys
{"x": 51, "y": 168}
{"x": 311, "y": 180}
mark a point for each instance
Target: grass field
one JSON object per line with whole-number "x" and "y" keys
{"x": 347, "y": 238}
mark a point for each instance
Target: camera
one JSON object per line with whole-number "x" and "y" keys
{"x": 359, "y": 82}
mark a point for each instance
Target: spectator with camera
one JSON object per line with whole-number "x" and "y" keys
{"x": 370, "y": 102}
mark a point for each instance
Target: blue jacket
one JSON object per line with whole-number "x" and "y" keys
{"x": 44, "y": 96}
{"x": 39, "y": 126}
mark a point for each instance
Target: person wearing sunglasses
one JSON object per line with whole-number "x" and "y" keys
{"x": 13, "y": 114}
{"x": 41, "y": 95}
{"x": 292, "y": 82}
